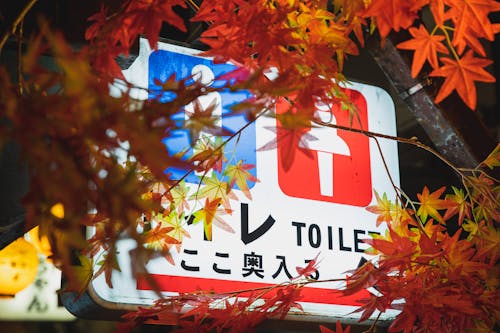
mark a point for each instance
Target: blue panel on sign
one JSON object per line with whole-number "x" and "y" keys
{"x": 162, "y": 65}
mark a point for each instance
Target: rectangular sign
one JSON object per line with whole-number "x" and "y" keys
{"x": 39, "y": 301}
{"x": 315, "y": 208}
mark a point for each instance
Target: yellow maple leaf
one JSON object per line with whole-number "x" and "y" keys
{"x": 175, "y": 222}
{"x": 79, "y": 276}
{"x": 239, "y": 175}
{"x": 214, "y": 188}
{"x": 384, "y": 209}
{"x": 180, "y": 197}
{"x": 493, "y": 159}
{"x": 430, "y": 204}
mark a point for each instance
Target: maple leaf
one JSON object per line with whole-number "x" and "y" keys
{"x": 397, "y": 250}
{"x": 457, "y": 204}
{"x": 437, "y": 9}
{"x": 108, "y": 264}
{"x": 175, "y": 222}
{"x": 487, "y": 195}
{"x": 102, "y": 232}
{"x": 350, "y": 11}
{"x": 372, "y": 304}
{"x": 80, "y": 275}
{"x": 158, "y": 239}
{"x": 404, "y": 321}
{"x": 201, "y": 120}
{"x": 402, "y": 220}
{"x": 391, "y": 15}
{"x": 429, "y": 246}
{"x": 215, "y": 188}
{"x": 309, "y": 269}
{"x": 163, "y": 311}
{"x": 471, "y": 18}
{"x": 208, "y": 154}
{"x": 460, "y": 75}
{"x": 285, "y": 299}
{"x": 149, "y": 16}
{"x": 207, "y": 215}
{"x": 488, "y": 240}
{"x": 383, "y": 208}
{"x": 430, "y": 204}
{"x": 460, "y": 255}
{"x": 291, "y": 131}
{"x": 471, "y": 227}
{"x": 338, "y": 328}
{"x": 239, "y": 175}
{"x": 179, "y": 195}
{"x": 362, "y": 278}
{"x": 493, "y": 159}
{"x": 426, "y": 47}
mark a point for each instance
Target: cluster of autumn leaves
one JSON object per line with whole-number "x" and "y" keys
{"x": 448, "y": 281}
{"x": 89, "y": 152}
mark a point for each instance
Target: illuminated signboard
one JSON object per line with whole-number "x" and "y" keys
{"x": 317, "y": 206}
{"x": 39, "y": 300}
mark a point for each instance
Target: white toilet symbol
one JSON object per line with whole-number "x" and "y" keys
{"x": 204, "y": 75}
{"x": 326, "y": 144}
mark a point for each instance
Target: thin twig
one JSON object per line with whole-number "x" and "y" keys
{"x": 218, "y": 148}
{"x": 373, "y": 326}
{"x": 16, "y": 22}
{"x": 20, "y": 82}
{"x": 411, "y": 141}
{"x": 399, "y": 192}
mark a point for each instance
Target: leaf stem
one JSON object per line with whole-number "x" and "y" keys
{"x": 450, "y": 44}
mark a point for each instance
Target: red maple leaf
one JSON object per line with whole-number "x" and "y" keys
{"x": 460, "y": 75}
{"x": 292, "y": 131}
{"x": 338, "y": 328}
{"x": 426, "y": 47}
{"x": 310, "y": 268}
{"x": 148, "y": 16}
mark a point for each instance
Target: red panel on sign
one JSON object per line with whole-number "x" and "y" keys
{"x": 182, "y": 284}
{"x": 337, "y": 166}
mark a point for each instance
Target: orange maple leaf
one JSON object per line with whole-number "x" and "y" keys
{"x": 159, "y": 239}
{"x": 460, "y": 76}
{"x": 207, "y": 216}
{"x": 430, "y": 204}
{"x": 457, "y": 204}
{"x": 426, "y": 47}
{"x": 395, "y": 248}
{"x": 391, "y": 15}
{"x": 210, "y": 214}
{"x": 471, "y": 18}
